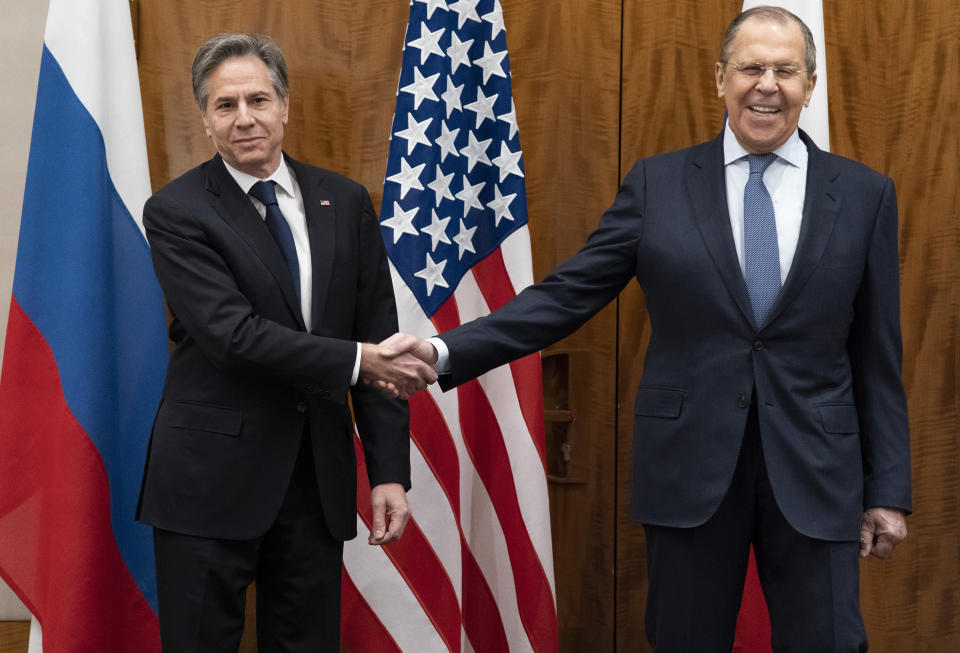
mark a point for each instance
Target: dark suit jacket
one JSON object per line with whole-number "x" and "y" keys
{"x": 826, "y": 366}
{"x": 245, "y": 377}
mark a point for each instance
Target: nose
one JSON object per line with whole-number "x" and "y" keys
{"x": 767, "y": 83}
{"x": 244, "y": 116}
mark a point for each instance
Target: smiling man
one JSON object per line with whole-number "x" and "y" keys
{"x": 276, "y": 279}
{"x": 771, "y": 410}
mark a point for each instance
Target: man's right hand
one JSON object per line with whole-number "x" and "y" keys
{"x": 397, "y": 367}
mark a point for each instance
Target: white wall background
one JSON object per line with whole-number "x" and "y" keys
{"x": 21, "y": 42}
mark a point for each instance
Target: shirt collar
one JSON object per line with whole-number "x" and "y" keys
{"x": 791, "y": 151}
{"x": 281, "y": 176}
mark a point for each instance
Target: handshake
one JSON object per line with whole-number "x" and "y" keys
{"x": 399, "y": 366}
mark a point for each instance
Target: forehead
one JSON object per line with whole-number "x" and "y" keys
{"x": 766, "y": 40}
{"x": 239, "y": 74}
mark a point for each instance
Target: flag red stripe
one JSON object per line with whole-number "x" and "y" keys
{"x": 497, "y": 289}
{"x": 417, "y": 562}
{"x": 430, "y": 433}
{"x": 57, "y": 546}
{"x": 360, "y": 629}
{"x": 481, "y": 619}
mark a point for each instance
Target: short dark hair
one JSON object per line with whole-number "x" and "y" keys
{"x": 225, "y": 46}
{"x": 778, "y": 15}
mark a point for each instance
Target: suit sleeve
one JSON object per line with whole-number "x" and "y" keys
{"x": 875, "y": 350}
{"x": 203, "y": 294}
{"x": 383, "y": 424}
{"x": 557, "y": 306}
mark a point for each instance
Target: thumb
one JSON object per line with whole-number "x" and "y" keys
{"x": 867, "y": 532}
{"x": 379, "y": 521}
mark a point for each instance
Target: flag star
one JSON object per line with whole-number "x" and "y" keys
{"x": 476, "y": 151}
{"x": 495, "y": 18}
{"x": 501, "y": 206}
{"x": 447, "y": 140}
{"x": 511, "y": 119}
{"x": 467, "y": 10}
{"x": 416, "y": 132}
{"x": 433, "y": 274}
{"x": 407, "y": 177}
{"x": 437, "y": 230}
{"x": 483, "y": 106}
{"x": 464, "y": 240}
{"x": 491, "y": 62}
{"x": 428, "y": 43}
{"x": 508, "y": 162}
{"x": 470, "y": 195}
{"x": 433, "y": 5}
{"x": 451, "y": 96}
{"x": 401, "y": 222}
{"x": 441, "y": 186}
{"x": 457, "y": 51}
{"x": 422, "y": 87}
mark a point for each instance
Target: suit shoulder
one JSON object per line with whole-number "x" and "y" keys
{"x": 855, "y": 171}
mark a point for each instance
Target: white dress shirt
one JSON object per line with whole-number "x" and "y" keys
{"x": 290, "y": 202}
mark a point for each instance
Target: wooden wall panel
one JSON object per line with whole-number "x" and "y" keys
{"x": 565, "y": 59}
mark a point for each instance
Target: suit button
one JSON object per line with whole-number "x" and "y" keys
{"x": 757, "y": 345}
{"x": 311, "y": 389}
{"x": 301, "y": 407}
{"x": 742, "y": 401}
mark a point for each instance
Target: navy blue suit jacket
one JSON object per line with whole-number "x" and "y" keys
{"x": 825, "y": 367}
{"x": 245, "y": 376}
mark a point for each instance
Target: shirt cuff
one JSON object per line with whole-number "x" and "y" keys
{"x": 442, "y": 366}
{"x": 356, "y": 367}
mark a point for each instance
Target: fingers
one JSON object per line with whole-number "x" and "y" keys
{"x": 399, "y": 375}
{"x": 881, "y": 530}
{"x": 389, "y": 502}
{"x": 401, "y": 343}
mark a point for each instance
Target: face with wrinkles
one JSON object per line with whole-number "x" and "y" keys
{"x": 244, "y": 117}
{"x": 764, "y": 110}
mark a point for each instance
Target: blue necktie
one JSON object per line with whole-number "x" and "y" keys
{"x": 278, "y": 226}
{"x": 761, "y": 255}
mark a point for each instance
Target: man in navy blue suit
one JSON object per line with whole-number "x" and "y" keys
{"x": 771, "y": 410}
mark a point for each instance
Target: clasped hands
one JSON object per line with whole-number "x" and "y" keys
{"x": 399, "y": 366}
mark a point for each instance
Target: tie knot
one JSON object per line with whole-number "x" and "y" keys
{"x": 265, "y": 192}
{"x": 759, "y": 162}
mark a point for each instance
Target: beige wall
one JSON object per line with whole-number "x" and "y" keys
{"x": 21, "y": 39}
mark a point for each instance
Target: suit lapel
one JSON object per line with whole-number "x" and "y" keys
{"x": 821, "y": 207}
{"x": 706, "y": 187}
{"x": 237, "y": 211}
{"x": 320, "y": 209}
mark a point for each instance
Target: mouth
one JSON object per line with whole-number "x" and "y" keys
{"x": 763, "y": 110}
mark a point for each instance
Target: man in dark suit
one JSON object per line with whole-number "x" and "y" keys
{"x": 771, "y": 409}
{"x": 275, "y": 295}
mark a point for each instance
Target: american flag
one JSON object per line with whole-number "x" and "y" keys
{"x": 474, "y": 570}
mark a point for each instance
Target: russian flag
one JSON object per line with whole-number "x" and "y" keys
{"x": 85, "y": 349}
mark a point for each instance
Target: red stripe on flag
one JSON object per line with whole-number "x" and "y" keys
{"x": 415, "y": 560}
{"x": 497, "y": 289}
{"x": 360, "y": 629}
{"x": 430, "y": 433}
{"x": 481, "y": 618}
{"x": 753, "y": 620}
{"x": 57, "y": 548}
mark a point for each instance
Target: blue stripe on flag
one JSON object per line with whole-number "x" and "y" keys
{"x": 84, "y": 277}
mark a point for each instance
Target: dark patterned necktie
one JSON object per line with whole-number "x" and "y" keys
{"x": 278, "y": 226}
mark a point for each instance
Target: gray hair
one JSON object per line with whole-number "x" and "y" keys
{"x": 225, "y": 46}
{"x": 777, "y": 15}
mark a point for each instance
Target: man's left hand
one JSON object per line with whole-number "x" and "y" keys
{"x": 881, "y": 529}
{"x": 390, "y": 513}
